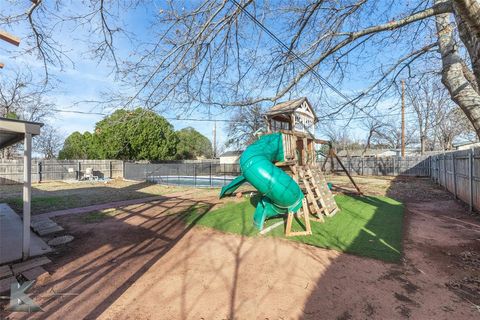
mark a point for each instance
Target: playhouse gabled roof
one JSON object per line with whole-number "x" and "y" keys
{"x": 290, "y": 106}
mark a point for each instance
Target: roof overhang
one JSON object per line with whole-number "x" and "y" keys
{"x": 13, "y": 131}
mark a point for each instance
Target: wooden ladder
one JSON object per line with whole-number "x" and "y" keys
{"x": 328, "y": 201}
{"x": 302, "y": 212}
{"x": 319, "y": 196}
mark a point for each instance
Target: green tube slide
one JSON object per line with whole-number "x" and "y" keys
{"x": 280, "y": 193}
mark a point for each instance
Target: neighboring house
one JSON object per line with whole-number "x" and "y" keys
{"x": 230, "y": 157}
{"x": 466, "y": 145}
{"x": 376, "y": 153}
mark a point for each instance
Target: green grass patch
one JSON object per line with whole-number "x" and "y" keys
{"x": 45, "y": 203}
{"x": 99, "y": 216}
{"x": 365, "y": 226}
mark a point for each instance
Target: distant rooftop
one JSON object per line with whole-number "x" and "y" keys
{"x": 231, "y": 153}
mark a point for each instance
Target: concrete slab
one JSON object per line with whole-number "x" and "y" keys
{"x": 51, "y": 229}
{"x": 29, "y": 264}
{"x": 6, "y": 283}
{"x": 39, "y": 224}
{"x": 60, "y": 240}
{"x": 5, "y": 271}
{"x": 11, "y": 229}
{"x": 44, "y": 225}
{"x": 34, "y": 273}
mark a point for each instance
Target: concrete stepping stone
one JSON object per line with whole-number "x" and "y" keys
{"x": 34, "y": 273}
{"x": 30, "y": 264}
{"x": 42, "y": 224}
{"x": 60, "y": 240}
{"x": 52, "y": 229}
{"x": 5, "y": 271}
{"x": 6, "y": 283}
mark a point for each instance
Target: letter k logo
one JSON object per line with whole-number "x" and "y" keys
{"x": 19, "y": 300}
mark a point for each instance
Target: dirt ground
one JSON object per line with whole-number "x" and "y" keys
{"x": 144, "y": 263}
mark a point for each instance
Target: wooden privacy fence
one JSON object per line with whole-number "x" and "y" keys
{"x": 459, "y": 173}
{"x": 11, "y": 171}
{"x": 418, "y": 166}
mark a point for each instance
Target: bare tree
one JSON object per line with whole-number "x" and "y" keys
{"x": 450, "y": 124}
{"x": 246, "y": 122}
{"x": 21, "y": 97}
{"x": 373, "y": 126}
{"x": 390, "y": 136}
{"x": 427, "y": 97}
{"x": 49, "y": 142}
{"x": 219, "y": 51}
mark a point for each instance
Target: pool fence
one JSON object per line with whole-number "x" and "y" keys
{"x": 200, "y": 174}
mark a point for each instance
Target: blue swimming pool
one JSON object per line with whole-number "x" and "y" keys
{"x": 194, "y": 181}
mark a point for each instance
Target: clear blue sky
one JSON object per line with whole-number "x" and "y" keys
{"x": 87, "y": 80}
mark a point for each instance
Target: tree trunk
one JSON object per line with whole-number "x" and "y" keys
{"x": 422, "y": 144}
{"x": 461, "y": 90}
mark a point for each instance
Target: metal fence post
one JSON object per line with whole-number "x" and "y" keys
{"x": 79, "y": 170}
{"x": 394, "y": 165}
{"x": 430, "y": 168}
{"x": 445, "y": 170}
{"x": 454, "y": 176}
{"x": 471, "y": 159}
{"x": 210, "y": 174}
{"x": 194, "y": 175}
{"x": 39, "y": 171}
{"x": 363, "y": 165}
{"x": 111, "y": 169}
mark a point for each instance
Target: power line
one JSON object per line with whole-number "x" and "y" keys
{"x": 167, "y": 118}
{"x": 230, "y": 120}
{"x": 282, "y": 44}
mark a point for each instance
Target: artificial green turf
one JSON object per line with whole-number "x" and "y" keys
{"x": 366, "y": 226}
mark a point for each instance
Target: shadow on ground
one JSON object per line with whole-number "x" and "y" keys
{"x": 146, "y": 263}
{"x": 107, "y": 257}
{"x": 419, "y": 286}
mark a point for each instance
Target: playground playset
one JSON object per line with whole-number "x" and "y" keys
{"x": 282, "y": 166}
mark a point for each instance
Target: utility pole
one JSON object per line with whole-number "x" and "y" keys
{"x": 403, "y": 119}
{"x": 214, "y": 139}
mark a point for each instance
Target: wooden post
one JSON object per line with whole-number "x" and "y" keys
{"x": 454, "y": 176}
{"x": 27, "y": 194}
{"x": 363, "y": 160}
{"x": 9, "y": 38}
{"x": 79, "y": 168}
{"x": 348, "y": 174}
{"x": 471, "y": 160}
{"x": 111, "y": 169}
